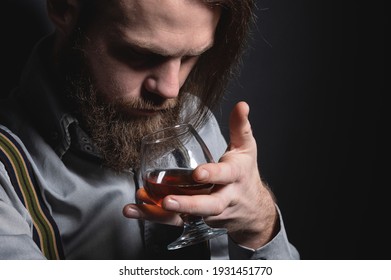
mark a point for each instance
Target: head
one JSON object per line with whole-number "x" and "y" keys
{"x": 128, "y": 63}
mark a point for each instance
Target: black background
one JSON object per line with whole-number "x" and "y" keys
{"x": 314, "y": 79}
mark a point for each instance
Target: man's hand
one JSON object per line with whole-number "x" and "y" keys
{"x": 239, "y": 201}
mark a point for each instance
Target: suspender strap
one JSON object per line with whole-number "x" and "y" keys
{"x": 45, "y": 231}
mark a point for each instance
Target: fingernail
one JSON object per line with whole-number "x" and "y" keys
{"x": 130, "y": 212}
{"x": 171, "y": 204}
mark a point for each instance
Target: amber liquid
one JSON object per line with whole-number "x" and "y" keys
{"x": 162, "y": 182}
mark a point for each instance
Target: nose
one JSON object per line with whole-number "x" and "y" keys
{"x": 164, "y": 78}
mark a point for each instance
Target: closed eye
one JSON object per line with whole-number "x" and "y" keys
{"x": 135, "y": 58}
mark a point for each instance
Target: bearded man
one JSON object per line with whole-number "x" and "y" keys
{"x": 112, "y": 72}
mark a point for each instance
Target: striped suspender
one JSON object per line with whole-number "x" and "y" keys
{"x": 45, "y": 231}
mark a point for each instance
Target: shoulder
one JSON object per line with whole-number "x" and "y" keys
{"x": 12, "y": 153}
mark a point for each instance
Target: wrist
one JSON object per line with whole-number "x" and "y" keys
{"x": 264, "y": 227}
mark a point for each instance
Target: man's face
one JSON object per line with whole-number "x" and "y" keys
{"x": 135, "y": 60}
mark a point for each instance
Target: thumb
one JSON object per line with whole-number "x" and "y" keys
{"x": 239, "y": 126}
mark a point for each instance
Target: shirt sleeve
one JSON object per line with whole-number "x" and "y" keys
{"x": 16, "y": 241}
{"x": 279, "y": 248}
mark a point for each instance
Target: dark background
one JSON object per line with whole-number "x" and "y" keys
{"x": 314, "y": 79}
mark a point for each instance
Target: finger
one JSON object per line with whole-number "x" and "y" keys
{"x": 143, "y": 196}
{"x": 202, "y": 205}
{"x": 239, "y": 126}
{"x": 152, "y": 213}
{"x": 222, "y": 173}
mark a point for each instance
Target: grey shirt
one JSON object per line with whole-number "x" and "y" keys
{"x": 84, "y": 198}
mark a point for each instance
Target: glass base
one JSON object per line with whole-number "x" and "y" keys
{"x": 195, "y": 232}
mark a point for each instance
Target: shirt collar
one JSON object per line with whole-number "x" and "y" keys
{"x": 43, "y": 96}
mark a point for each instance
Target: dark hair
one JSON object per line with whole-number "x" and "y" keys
{"x": 215, "y": 68}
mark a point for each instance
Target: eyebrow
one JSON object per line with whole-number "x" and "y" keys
{"x": 145, "y": 48}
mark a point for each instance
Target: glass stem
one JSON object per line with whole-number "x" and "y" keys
{"x": 192, "y": 220}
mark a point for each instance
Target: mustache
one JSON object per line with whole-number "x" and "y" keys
{"x": 123, "y": 108}
{"x": 148, "y": 101}
{"x": 145, "y": 104}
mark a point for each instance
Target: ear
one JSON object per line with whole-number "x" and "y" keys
{"x": 64, "y": 14}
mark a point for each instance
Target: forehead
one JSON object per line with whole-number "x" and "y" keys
{"x": 170, "y": 24}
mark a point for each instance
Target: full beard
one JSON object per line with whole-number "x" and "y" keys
{"x": 114, "y": 131}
